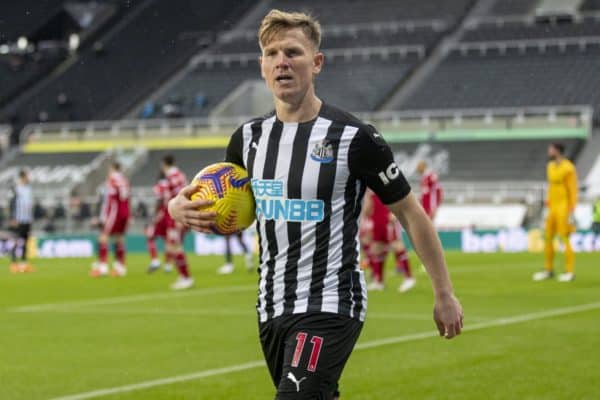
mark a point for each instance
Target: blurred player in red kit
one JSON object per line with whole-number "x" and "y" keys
{"x": 114, "y": 219}
{"x": 175, "y": 232}
{"x": 158, "y": 227}
{"x": 431, "y": 190}
{"x": 381, "y": 233}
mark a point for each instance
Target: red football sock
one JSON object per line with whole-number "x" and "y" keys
{"x": 377, "y": 268}
{"x": 403, "y": 263}
{"x": 181, "y": 263}
{"x": 103, "y": 252}
{"x": 151, "y": 243}
{"x": 120, "y": 253}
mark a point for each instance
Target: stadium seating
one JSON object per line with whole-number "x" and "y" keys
{"x": 16, "y": 72}
{"x": 590, "y": 5}
{"x": 216, "y": 80}
{"x": 512, "y": 7}
{"x": 351, "y": 36}
{"x": 367, "y": 89}
{"x": 497, "y": 56}
{"x": 516, "y": 77}
{"x": 107, "y": 80}
{"x": 14, "y": 22}
{"x": 527, "y": 31}
{"x": 356, "y": 11}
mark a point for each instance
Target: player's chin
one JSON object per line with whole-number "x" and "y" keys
{"x": 285, "y": 94}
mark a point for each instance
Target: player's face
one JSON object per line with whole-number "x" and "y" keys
{"x": 552, "y": 152}
{"x": 289, "y": 63}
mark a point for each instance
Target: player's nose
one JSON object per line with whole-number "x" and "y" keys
{"x": 282, "y": 62}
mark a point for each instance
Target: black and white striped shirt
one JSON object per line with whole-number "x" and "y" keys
{"x": 22, "y": 204}
{"x": 308, "y": 180}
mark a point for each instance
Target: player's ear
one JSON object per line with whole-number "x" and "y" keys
{"x": 318, "y": 60}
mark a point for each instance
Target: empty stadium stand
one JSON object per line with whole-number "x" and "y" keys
{"x": 590, "y": 6}
{"x": 513, "y": 7}
{"x": 357, "y": 11}
{"x": 23, "y": 17}
{"x": 502, "y": 31}
{"x": 348, "y": 36}
{"x": 351, "y": 84}
{"x": 513, "y": 77}
{"x": 212, "y": 81}
{"x": 153, "y": 41}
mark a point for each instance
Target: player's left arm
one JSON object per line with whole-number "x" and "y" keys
{"x": 371, "y": 159}
{"x": 448, "y": 313}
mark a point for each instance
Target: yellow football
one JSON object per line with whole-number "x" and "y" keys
{"x": 228, "y": 186}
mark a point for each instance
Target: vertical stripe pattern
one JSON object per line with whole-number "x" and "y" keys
{"x": 23, "y": 204}
{"x": 307, "y": 216}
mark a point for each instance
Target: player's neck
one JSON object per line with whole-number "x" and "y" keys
{"x": 304, "y": 110}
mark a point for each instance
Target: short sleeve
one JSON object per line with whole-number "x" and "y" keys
{"x": 234, "y": 152}
{"x": 370, "y": 159}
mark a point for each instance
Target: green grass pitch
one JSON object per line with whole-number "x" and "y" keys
{"x": 66, "y": 336}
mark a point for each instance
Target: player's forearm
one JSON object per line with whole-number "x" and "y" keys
{"x": 426, "y": 242}
{"x": 429, "y": 249}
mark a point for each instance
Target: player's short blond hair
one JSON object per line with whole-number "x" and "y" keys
{"x": 276, "y": 21}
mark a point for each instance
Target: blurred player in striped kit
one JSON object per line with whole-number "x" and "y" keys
{"x": 21, "y": 217}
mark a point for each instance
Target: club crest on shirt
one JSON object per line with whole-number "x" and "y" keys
{"x": 322, "y": 152}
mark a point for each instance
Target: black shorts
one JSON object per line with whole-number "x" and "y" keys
{"x": 306, "y": 353}
{"x": 22, "y": 231}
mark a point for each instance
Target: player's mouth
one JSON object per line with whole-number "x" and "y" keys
{"x": 284, "y": 78}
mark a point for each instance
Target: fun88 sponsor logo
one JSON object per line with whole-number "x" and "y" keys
{"x": 272, "y": 205}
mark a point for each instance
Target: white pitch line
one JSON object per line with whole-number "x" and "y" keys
{"x": 483, "y": 325}
{"x": 361, "y": 346}
{"x": 165, "y": 381}
{"x": 197, "y": 292}
{"x": 134, "y": 298}
{"x": 150, "y": 311}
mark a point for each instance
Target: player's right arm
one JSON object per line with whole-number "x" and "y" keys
{"x": 186, "y": 211}
{"x": 189, "y": 213}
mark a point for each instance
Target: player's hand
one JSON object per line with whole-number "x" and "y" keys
{"x": 13, "y": 223}
{"x": 448, "y": 316}
{"x": 188, "y": 212}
